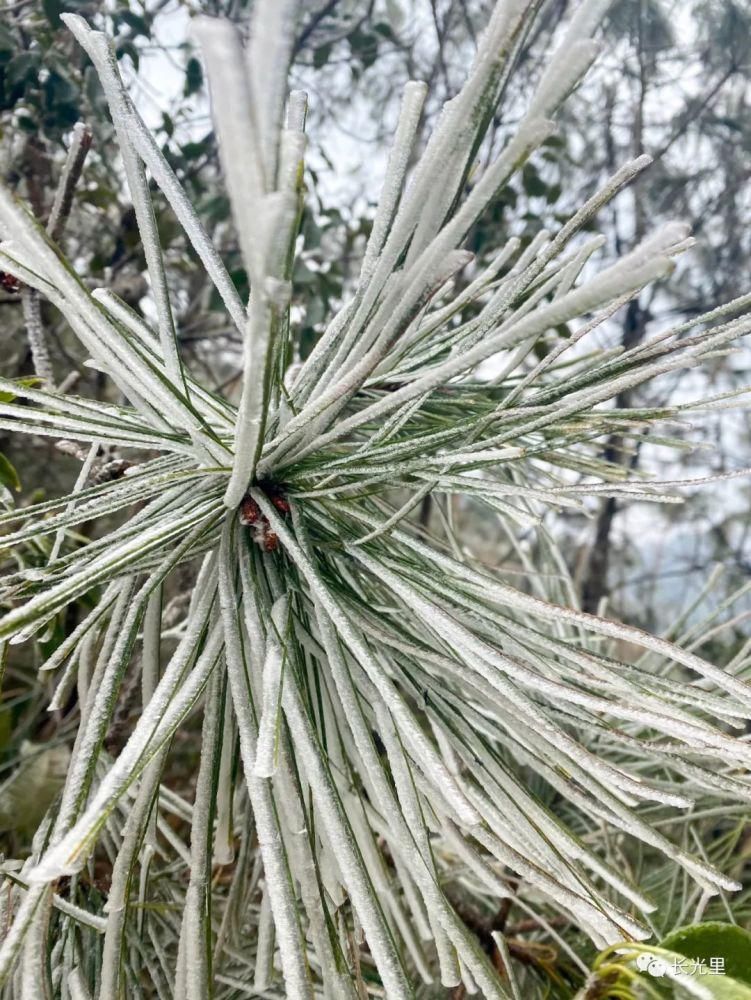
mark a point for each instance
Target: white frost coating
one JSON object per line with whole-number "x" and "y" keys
{"x": 67, "y": 646}
{"x": 413, "y": 99}
{"x": 297, "y": 111}
{"x": 213, "y": 410}
{"x": 272, "y": 33}
{"x": 14, "y": 938}
{"x": 304, "y": 865}
{"x": 268, "y": 726}
{"x": 686, "y": 732}
{"x": 159, "y": 718}
{"x": 308, "y": 374}
{"x": 117, "y": 900}
{"x": 110, "y": 501}
{"x": 224, "y": 850}
{"x": 572, "y": 270}
{"x": 609, "y": 284}
{"x": 264, "y": 965}
{"x": 248, "y": 124}
{"x": 76, "y": 985}
{"x": 445, "y": 158}
{"x": 47, "y": 424}
{"x": 79, "y": 484}
{"x": 429, "y": 264}
{"x": 398, "y": 515}
{"x": 103, "y": 352}
{"x": 95, "y": 713}
{"x": 452, "y": 132}
{"x": 74, "y": 405}
{"x": 585, "y": 20}
{"x": 251, "y": 414}
{"x": 413, "y": 815}
{"x": 352, "y": 367}
{"x": 194, "y": 930}
{"x": 282, "y": 896}
{"x": 101, "y": 568}
{"x": 530, "y": 134}
{"x": 603, "y": 626}
{"x": 701, "y": 873}
{"x": 92, "y": 326}
{"x": 469, "y": 294}
{"x": 40, "y": 354}
{"x": 534, "y": 821}
{"x": 425, "y": 270}
{"x": 163, "y": 174}
{"x": 661, "y": 240}
{"x": 333, "y": 818}
{"x": 291, "y": 157}
{"x": 425, "y": 753}
{"x": 353, "y": 713}
{"x": 237, "y": 131}
{"x": 561, "y": 75}
{"x": 103, "y": 55}
{"x": 362, "y": 359}
{"x": 475, "y": 654}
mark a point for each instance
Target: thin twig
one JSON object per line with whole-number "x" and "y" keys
{"x": 79, "y": 148}
{"x": 30, "y": 301}
{"x": 40, "y": 355}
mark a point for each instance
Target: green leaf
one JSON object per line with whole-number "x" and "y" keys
{"x": 52, "y": 10}
{"x": 193, "y": 77}
{"x": 321, "y": 56}
{"x": 137, "y": 24}
{"x": 8, "y": 474}
{"x": 684, "y": 969}
{"x": 541, "y": 349}
{"x": 26, "y": 123}
{"x": 534, "y": 185}
{"x": 22, "y": 68}
{"x": 127, "y": 48}
{"x": 363, "y": 45}
{"x": 192, "y": 150}
{"x": 385, "y": 29}
{"x": 715, "y": 940}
